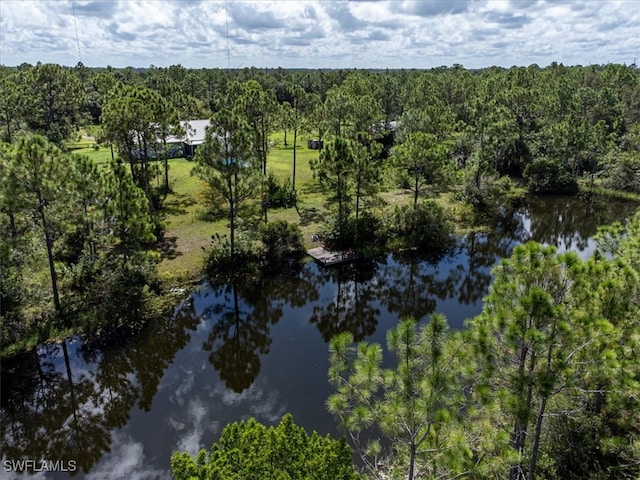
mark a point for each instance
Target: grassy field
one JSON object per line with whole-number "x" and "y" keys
{"x": 102, "y": 156}
{"x": 85, "y": 145}
{"x": 188, "y": 230}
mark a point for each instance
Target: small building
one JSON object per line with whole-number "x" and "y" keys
{"x": 194, "y": 137}
{"x": 314, "y": 144}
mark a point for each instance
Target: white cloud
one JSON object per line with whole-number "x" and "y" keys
{"x": 318, "y": 33}
{"x": 125, "y": 460}
{"x": 191, "y": 435}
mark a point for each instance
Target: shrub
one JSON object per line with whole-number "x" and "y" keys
{"x": 281, "y": 195}
{"x": 624, "y": 174}
{"x": 282, "y": 244}
{"x": 545, "y": 175}
{"x": 423, "y": 227}
{"x": 366, "y": 231}
{"x": 122, "y": 299}
{"x": 221, "y": 267}
{"x": 251, "y": 450}
{"x": 489, "y": 196}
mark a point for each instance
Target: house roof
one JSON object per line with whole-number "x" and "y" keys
{"x": 195, "y": 130}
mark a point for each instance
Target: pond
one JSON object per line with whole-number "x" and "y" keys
{"x": 260, "y": 350}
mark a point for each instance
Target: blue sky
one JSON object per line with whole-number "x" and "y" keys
{"x": 320, "y": 33}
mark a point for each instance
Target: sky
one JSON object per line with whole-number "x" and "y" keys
{"x": 319, "y": 33}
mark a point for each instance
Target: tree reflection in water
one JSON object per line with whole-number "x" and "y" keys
{"x": 573, "y": 220}
{"x": 412, "y": 287}
{"x": 243, "y": 314}
{"x": 53, "y": 410}
{"x": 354, "y": 308}
{"x": 237, "y": 338}
{"x": 484, "y": 250}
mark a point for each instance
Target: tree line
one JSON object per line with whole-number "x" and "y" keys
{"x": 582, "y": 118}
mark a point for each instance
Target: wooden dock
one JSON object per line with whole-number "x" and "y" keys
{"x": 327, "y": 258}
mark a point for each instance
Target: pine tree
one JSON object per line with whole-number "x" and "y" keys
{"x": 34, "y": 176}
{"x": 227, "y": 163}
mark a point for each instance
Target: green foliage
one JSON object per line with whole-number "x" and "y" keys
{"x": 280, "y": 194}
{"x": 226, "y": 162}
{"x": 545, "y": 175}
{"x": 594, "y": 444}
{"x": 422, "y": 159}
{"x": 624, "y": 173}
{"x": 350, "y": 168}
{"x": 127, "y": 211}
{"x": 367, "y": 175}
{"x": 350, "y": 108}
{"x": 549, "y": 344}
{"x": 12, "y": 106}
{"x": 11, "y": 295}
{"x": 282, "y": 243}
{"x": 33, "y": 178}
{"x": 119, "y": 299}
{"x": 490, "y": 196}
{"x": 522, "y": 338}
{"x": 54, "y": 96}
{"x": 425, "y": 226}
{"x": 284, "y": 452}
{"x": 89, "y": 226}
{"x": 137, "y": 121}
{"x": 415, "y": 405}
{"x": 282, "y": 249}
{"x": 223, "y": 267}
{"x": 333, "y": 169}
{"x": 87, "y": 192}
{"x": 366, "y": 231}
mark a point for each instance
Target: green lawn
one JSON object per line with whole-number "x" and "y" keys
{"x": 188, "y": 231}
{"x": 100, "y": 157}
{"x": 84, "y": 145}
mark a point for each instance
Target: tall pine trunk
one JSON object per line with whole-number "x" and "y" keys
{"x": 49, "y": 243}
{"x": 295, "y": 147}
{"x": 232, "y": 214}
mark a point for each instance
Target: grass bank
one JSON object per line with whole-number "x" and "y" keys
{"x": 597, "y": 189}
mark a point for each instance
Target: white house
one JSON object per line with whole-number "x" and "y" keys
{"x": 187, "y": 144}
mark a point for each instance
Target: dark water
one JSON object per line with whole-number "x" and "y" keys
{"x": 248, "y": 350}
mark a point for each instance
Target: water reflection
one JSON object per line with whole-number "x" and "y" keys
{"x": 354, "y": 307}
{"x": 483, "y": 250}
{"x": 237, "y": 337}
{"x": 50, "y": 413}
{"x": 412, "y": 286}
{"x": 572, "y": 221}
{"x": 242, "y": 315}
{"x": 61, "y": 402}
